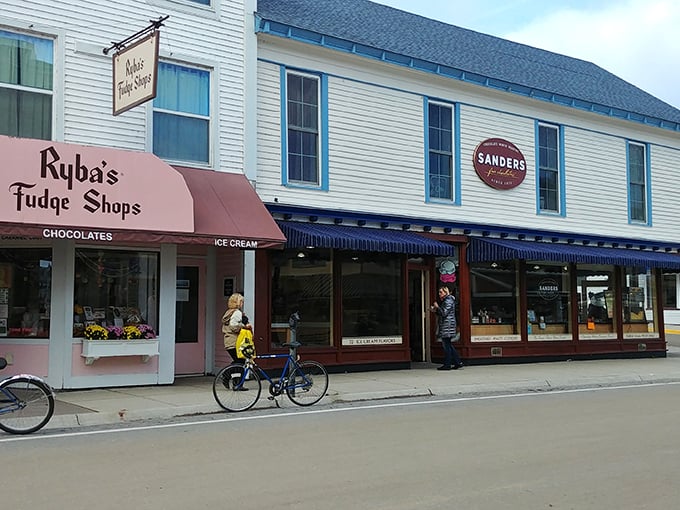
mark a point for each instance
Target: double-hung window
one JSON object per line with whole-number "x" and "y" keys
{"x": 637, "y": 183}
{"x": 26, "y": 80}
{"x": 303, "y": 133}
{"x": 549, "y": 162}
{"x": 181, "y": 114}
{"x": 440, "y": 151}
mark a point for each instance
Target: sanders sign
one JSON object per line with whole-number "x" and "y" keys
{"x": 499, "y": 163}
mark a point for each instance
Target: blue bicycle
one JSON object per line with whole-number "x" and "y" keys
{"x": 26, "y": 403}
{"x": 237, "y": 387}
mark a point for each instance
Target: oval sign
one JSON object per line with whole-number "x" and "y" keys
{"x": 499, "y": 163}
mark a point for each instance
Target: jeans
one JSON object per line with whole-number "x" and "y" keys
{"x": 450, "y": 353}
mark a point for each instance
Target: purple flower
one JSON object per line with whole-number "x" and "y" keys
{"x": 146, "y": 331}
{"x": 115, "y": 332}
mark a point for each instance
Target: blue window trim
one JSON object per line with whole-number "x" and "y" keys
{"x": 456, "y": 171}
{"x": 323, "y": 135}
{"x": 561, "y": 175}
{"x": 648, "y": 184}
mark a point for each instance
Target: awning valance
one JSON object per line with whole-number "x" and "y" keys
{"x": 342, "y": 237}
{"x": 486, "y": 250}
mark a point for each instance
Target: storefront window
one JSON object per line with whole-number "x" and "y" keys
{"x": 494, "y": 301}
{"x": 670, "y": 290}
{"x": 596, "y": 289}
{"x": 115, "y": 289}
{"x": 639, "y": 289}
{"x": 372, "y": 288}
{"x": 25, "y": 292}
{"x": 548, "y": 303}
{"x": 302, "y": 281}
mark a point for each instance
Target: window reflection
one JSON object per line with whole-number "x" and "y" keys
{"x": 371, "y": 296}
{"x": 25, "y": 292}
{"x": 114, "y": 289}
{"x": 494, "y": 298}
{"x": 639, "y": 290}
{"x": 595, "y": 286}
{"x": 548, "y": 301}
{"x": 302, "y": 281}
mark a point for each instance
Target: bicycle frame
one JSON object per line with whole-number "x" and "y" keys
{"x": 288, "y": 367}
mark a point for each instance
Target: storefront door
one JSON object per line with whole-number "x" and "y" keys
{"x": 190, "y": 322}
{"x": 417, "y": 318}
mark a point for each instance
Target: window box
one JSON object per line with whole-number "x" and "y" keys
{"x": 95, "y": 349}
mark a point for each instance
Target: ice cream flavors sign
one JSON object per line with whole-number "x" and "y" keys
{"x": 499, "y": 163}
{"x": 53, "y": 183}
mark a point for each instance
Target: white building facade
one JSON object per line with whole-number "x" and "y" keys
{"x": 138, "y": 224}
{"x": 548, "y": 179}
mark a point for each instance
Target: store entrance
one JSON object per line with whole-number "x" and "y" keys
{"x": 190, "y": 318}
{"x": 417, "y": 316}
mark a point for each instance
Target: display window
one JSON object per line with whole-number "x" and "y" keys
{"x": 596, "y": 289}
{"x": 372, "y": 294}
{"x": 639, "y": 303}
{"x": 548, "y": 301}
{"x": 302, "y": 281}
{"x": 494, "y": 303}
{"x": 25, "y": 292}
{"x": 115, "y": 294}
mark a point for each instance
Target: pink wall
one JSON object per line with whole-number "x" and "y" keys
{"x": 27, "y": 359}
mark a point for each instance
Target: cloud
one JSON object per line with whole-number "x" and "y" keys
{"x": 637, "y": 40}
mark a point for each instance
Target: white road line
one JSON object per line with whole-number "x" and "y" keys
{"x": 248, "y": 417}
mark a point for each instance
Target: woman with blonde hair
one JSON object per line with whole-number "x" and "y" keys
{"x": 233, "y": 321}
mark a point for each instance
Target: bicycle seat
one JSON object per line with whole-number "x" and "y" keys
{"x": 291, "y": 344}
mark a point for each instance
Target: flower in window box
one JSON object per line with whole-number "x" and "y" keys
{"x": 146, "y": 331}
{"x": 96, "y": 332}
{"x": 115, "y": 332}
{"x": 131, "y": 333}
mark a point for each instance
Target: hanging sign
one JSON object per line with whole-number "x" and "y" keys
{"x": 135, "y": 70}
{"x": 499, "y": 163}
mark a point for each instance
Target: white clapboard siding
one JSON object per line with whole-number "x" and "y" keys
{"x": 376, "y": 159}
{"x": 192, "y": 35}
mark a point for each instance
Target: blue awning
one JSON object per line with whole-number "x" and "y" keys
{"x": 486, "y": 250}
{"x": 319, "y": 235}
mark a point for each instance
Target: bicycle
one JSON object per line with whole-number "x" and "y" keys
{"x": 26, "y": 403}
{"x": 238, "y": 387}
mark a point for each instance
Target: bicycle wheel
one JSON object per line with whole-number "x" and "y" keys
{"x": 236, "y": 388}
{"x": 26, "y": 405}
{"x": 307, "y": 384}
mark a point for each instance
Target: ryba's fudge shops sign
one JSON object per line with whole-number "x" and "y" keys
{"x": 59, "y": 184}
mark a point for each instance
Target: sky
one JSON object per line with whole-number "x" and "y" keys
{"x": 637, "y": 40}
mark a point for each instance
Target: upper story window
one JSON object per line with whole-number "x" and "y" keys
{"x": 26, "y": 81}
{"x": 549, "y": 169}
{"x": 181, "y": 114}
{"x": 440, "y": 151}
{"x": 302, "y": 108}
{"x": 637, "y": 183}
{"x": 202, "y": 2}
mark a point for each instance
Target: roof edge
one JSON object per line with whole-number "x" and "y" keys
{"x": 291, "y": 32}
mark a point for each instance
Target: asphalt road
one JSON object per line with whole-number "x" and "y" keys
{"x": 606, "y": 449}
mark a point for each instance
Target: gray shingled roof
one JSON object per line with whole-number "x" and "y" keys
{"x": 388, "y": 29}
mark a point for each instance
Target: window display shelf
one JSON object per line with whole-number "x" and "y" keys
{"x": 95, "y": 349}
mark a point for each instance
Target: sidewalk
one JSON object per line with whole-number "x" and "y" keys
{"x": 193, "y": 395}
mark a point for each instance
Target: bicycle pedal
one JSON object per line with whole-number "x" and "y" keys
{"x": 271, "y": 398}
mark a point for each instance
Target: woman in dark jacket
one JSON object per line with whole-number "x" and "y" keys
{"x": 446, "y": 330}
